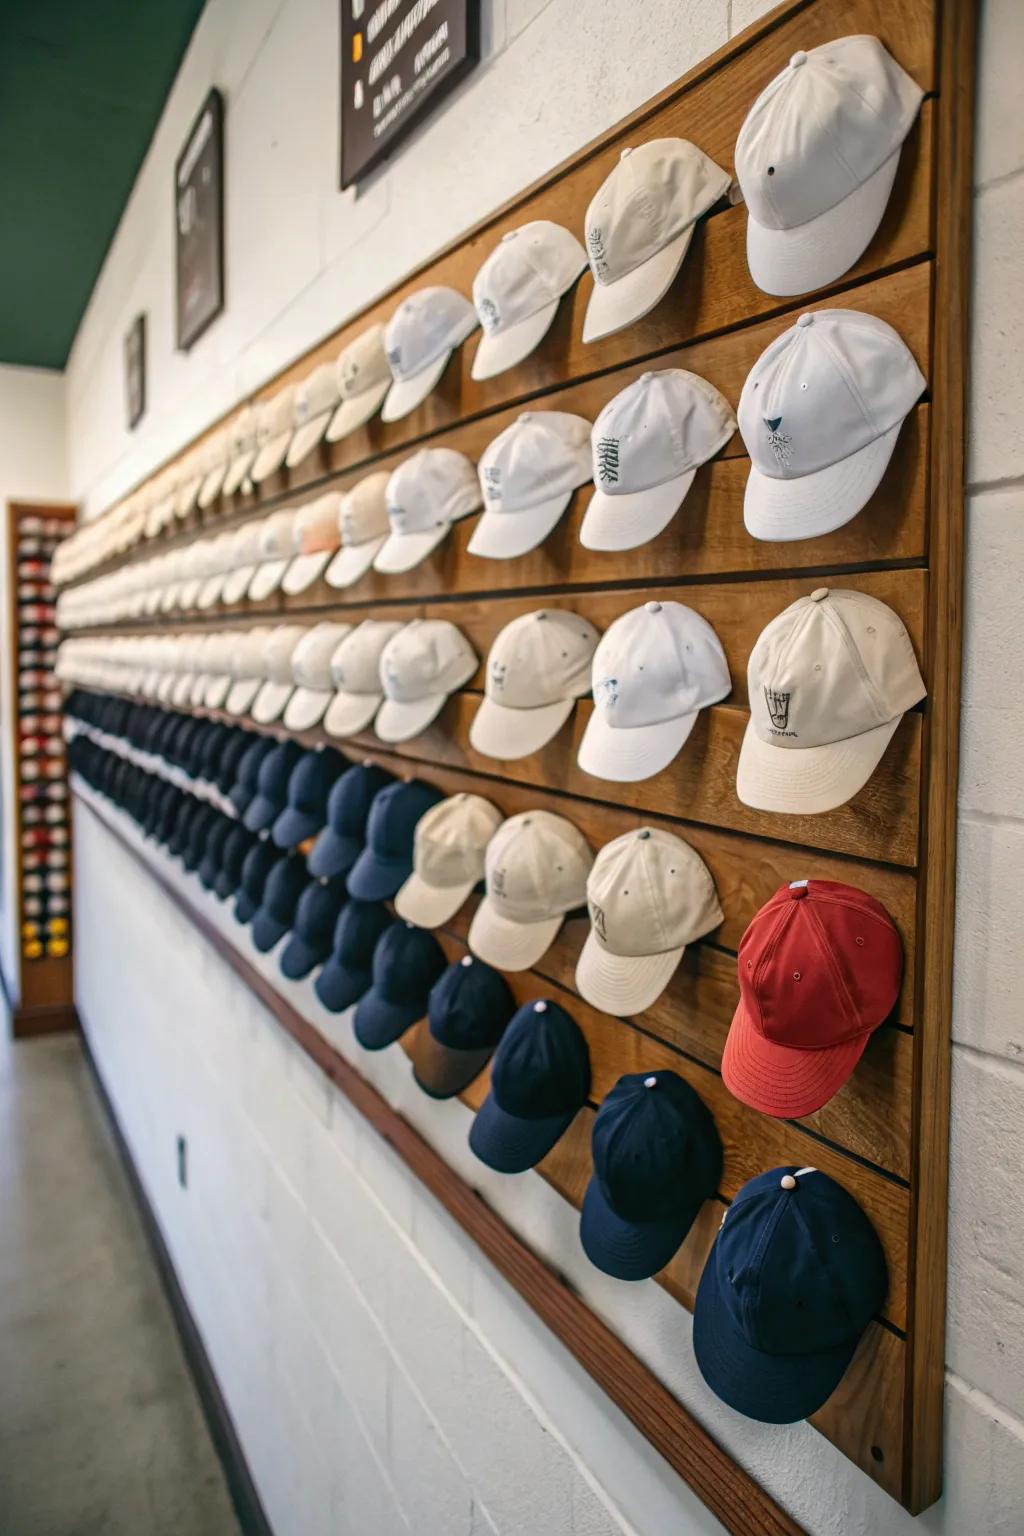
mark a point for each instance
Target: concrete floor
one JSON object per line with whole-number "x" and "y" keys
{"x": 101, "y": 1431}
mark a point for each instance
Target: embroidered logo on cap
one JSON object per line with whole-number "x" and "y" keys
{"x": 778, "y": 442}
{"x": 778, "y": 709}
{"x": 490, "y": 315}
{"x": 608, "y": 458}
{"x": 498, "y": 674}
{"x": 608, "y": 689}
{"x": 597, "y": 253}
{"x": 597, "y": 917}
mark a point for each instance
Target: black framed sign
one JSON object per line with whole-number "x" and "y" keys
{"x": 199, "y": 223}
{"x": 399, "y": 59}
{"x": 135, "y": 371}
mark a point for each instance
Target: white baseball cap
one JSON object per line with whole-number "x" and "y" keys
{"x": 447, "y": 858}
{"x": 274, "y": 429}
{"x": 247, "y": 670}
{"x": 420, "y": 666}
{"x": 311, "y": 673}
{"x": 277, "y": 546}
{"x": 528, "y": 474}
{"x": 241, "y": 449}
{"x": 215, "y": 466}
{"x": 649, "y": 895}
{"x": 537, "y": 667}
{"x": 363, "y": 527}
{"x": 213, "y": 662}
{"x": 820, "y": 413}
{"x": 189, "y": 485}
{"x": 517, "y": 292}
{"x": 419, "y": 339}
{"x": 278, "y": 684}
{"x": 829, "y": 681}
{"x": 316, "y": 399}
{"x": 816, "y": 158}
{"x": 639, "y": 227}
{"x": 535, "y": 867}
{"x": 195, "y": 568}
{"x": 245, "y": 557}
{"x": 218, "y": 559}
{"x": 219, "y": 670}
{"x": 363, "y": 378}
{"x": 648, "y": 443}
{"x": 191, "y": 656}
{"x": 426, "y": 494}
{"x": 315, "y": 537}
{"x": 656, "y": 668}
{"x": 355, "y": 675}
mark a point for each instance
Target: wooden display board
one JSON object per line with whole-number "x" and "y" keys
{"x": 885, "y": 1135}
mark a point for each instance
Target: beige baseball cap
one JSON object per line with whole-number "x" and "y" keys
{"x": 315, "y": 537}
{"x": 245, "y": 557}
{"x": 649, "y": 895}
{"x": 829, "y": 681}
{"x": 528, "y": 475}
{"x": 247, "y": 670}
{"x": 279, "y": 683}
{"x": 274, "y": 430}
{"x": 220, "y": 671}
{"x": 189, "y": 485}
{"x": 537, "y": 667}
{"x": 518, "y": 289}
{"x": 355, "y": 675}
{"x": 426, "y": 494}
{"x": 214, "y": 661}
{"x": 276, "y": 548}
{"x": 535, "y": 867}
{"x": 363, "y": 528}
{"x": 218, "y": 562}
{"x": 215, "y": 466}
{"x": 363, "y": 378}
{"x": 447, "y": 858}
{"x": 316, "y": 398}
{"x": 311, "y": 673}
{"x": 420, "y": 667}
{"x": 241, "y": 449}
{"x": 193, "y": 568}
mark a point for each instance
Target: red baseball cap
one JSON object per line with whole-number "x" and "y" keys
{"x": 819, "y": 969}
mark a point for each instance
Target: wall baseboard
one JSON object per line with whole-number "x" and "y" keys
{"x": 241, "y": 1487}
{"x": 53, "y": 1019}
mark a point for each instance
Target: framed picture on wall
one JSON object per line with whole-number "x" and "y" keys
{"x": 135, "y": 371}
{"x": 199, "y": 223}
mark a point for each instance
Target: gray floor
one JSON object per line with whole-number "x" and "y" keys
{"x": 101, "y": 1432}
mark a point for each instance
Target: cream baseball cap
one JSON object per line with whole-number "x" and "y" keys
{"x": 528, "y": 474}
{"x": 315, "y": 537}
{"x": 820, "y": 413}
{"x": 829, "y": 681}
{"x": 213, "y": 665}
{"x": 189, "y": 485}
{"x": 420, "y": 667}
{"x": 274, "y": 430}
{"x": 191, "y": 657}
{"x": 363, "y": 527}
{"x": 219, "y": 670}
{"x": 241, "y": 449}
{"x": 816, "y": 158}
{"x": 363, "y": 378}
{"x": 518, "y": 289}
{"x": 316, "y": 399}
{"x": 419, "y": 339}
{"x": 355, "y": 675}
{"x": 535, "y": 867}
{"x": 247, "y": 670}
{"x": 194, "y": 567}
{"x": 447, "y": 858}
{"x": 648, "y": 443}
{"x": 278, "y": 682}
{"x": 218, "y": 562}
{"x": 426, "y": 494}
{"x": 215, "y": 467}
{"x": 276, "y": 548}
{"x": 649, "y": 895}
{"x": 656, "y": 668}
{"x": 537, "y": 667}
{"x": 639, "y": 227}
{"x": 245, "y": 557}
{"x": 311, "y": 673}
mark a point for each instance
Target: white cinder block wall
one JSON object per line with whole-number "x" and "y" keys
{"x": 382, "y": 1377}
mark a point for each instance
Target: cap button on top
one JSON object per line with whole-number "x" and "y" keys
{"x": 509, "y": 234}
{"x": 650, "y": 1082}
{"x": 644, "y": 835}
{"x": 466, "y": 959}
{"x": 805, "y": 320}
{"x": 798, "y": 58}
{"x": 541, "y": 1007}
{"x": 626, "y": 151}
{"x": 787, "y": 1181}
{"x": 819, "y": 594}
{"x": 653, "y": 607}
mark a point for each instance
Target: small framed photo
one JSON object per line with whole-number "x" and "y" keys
{"x": 199, "y": 223}
{"x": 135, "y": 371}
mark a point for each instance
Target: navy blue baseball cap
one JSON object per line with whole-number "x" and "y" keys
{"x": 308, "y": 787}
{"x": 467, "y": 1013}
{"x": 348, "y": 970}
{"x": 406, "y": 963}
{"x": 795, "y": 1276}
{"x": 272, "y": 785}
{"x": 243, "y": 790}
{"x": 386, "y": 862}
{"x": 207, "y": 754}
{"x": 284, "y": 885}
{"x": 234, "y": 749}
{"x": 259, "y": 861}
{"x": 540, "y": 1079}
{"x": 202, "y": 824}
{"x": 657, "y": 1158}
{"x": 341, "y": 841}
{"x": 216, "y": 837}
{"x": 313, "y": 929}
{"x": 236, "y": 848}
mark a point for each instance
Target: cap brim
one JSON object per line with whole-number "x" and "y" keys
{"x": 440, "y": 1071}
{"x": 306, "y": 708}
{"x": 800, "y": 260}
{"x": 375, "y": 879}
{"x": 510, "y": 946}
{"x": 269, "y": 703}
{"x": 807, "y": 781}
{"x": 349, "y": 713}
{"x": 428, "y": 906}
{"x": 401, "y": 722}
{"x": 352, "y": 562}
{"x": 237, "y": 583}
{"x": 292, "y": 827}
{"x": 613, "y": 306}
{"x": 507, "y": 535}
{"x": 259, "y": 813}
{"x": 630, "y": 1250}
{"x": 306, "y": 438}
{"x": 303, "y": 571}
{"x": 509, "y": 734}
{"x": 404, "y": 551}
{"x": 267, "y": 577}
{"x": 217, "y": 690}
{"x": 505, "y": 349}
{"x": 623, "y": 985}
{"x": 298, "y": 958}
{"x": 778, "y": 1080}
{"x": 241, "y": 695}
{"x": 270, "y": 457}
{"x": 338, "y": 987}
{"x": 379, "y": 1023}
{"x": 776, "y": 1389}
{"x": 224, "y": 885}
{"x": 626, "y": 522}
{"x": 629, "y": 755}
{"x": 245, "y": 908}
{"x": 511, "y": 1145}
{"x": 267, "y": 931}
{"x": 356, "y": 411}
{"x": 210, "y": 591}
{"x": 404, "y": 395}
{"x": 237, "y": 471}
{"x": 811, "y": 505}
{"x": 331, "y": 855}
{"x": 212, "y": 486}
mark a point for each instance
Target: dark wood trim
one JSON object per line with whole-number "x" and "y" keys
{"x": 55, "y": 1019}
{"x": 241, "y": 1486}
{"x": 743, "y": 1507}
